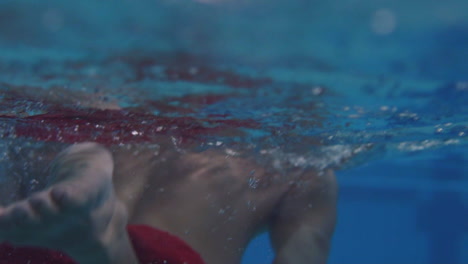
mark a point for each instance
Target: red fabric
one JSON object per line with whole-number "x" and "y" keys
{"x": 152, "y": 246}
{"x": 161, "y": 247}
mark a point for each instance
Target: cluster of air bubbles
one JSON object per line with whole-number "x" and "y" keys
{"x": 425, "y": 144}
{"x": 452, "y": 129}
{"x": 216, "y": 143}
{"x": 33, "y": 184}
{"x": 358, "y": 111}
{"x": 355, "y": 112}
{"x": 408, "y": 116}
{"x": 4, "y": 145}
{"x": 321, "y": 158}
{"x": 386, "y": 108}
{"x": 224, "y": 209}
{"x": 156, "y": 148}
{"x": 251, "y": 206}
{"x": 6, "y": 131}
{"x": 136, "y": 133}
{"x": 231, "y": 152}
{"x": 253, "y": 182}
{"x": 404, "y": 118}
{"x": 317, "y": 90}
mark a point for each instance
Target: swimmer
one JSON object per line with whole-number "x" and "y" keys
{"x": 215, "y": 203}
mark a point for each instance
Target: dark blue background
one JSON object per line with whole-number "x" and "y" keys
{"x": 398, "y": 211}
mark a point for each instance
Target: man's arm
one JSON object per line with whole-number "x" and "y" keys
{"x": 78, "y": 213}
{"x": 304, "y": 222}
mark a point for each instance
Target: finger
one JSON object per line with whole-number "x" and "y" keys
{"x": 63, "y": 198}
{"x": 5, "y": 216}
{"x": 22, "y": 214}
{"x": 43, "y": 205}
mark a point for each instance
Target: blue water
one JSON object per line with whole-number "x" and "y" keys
{"x": 381, "y": 86}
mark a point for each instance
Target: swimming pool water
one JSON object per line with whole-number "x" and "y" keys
{"x": 375, "y": 89}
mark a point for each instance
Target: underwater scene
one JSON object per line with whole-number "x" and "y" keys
{"x": 375, "y": 90}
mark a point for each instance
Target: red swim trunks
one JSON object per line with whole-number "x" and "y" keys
{"x": 152, "y": 246}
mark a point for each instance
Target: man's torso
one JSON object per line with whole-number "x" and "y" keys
{"x": 214, "y": 201}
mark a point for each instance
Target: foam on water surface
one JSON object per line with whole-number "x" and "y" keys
{"x": 239, "y": 77}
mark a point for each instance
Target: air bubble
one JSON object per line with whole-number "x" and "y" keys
{"x": 253, "y": 182}
{"x": 317, "y": 90}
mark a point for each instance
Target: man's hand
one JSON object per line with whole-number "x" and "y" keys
{"x": 78, "y": 214}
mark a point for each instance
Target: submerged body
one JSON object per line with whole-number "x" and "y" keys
{"x": 215, "y": 202}
{"x": 218, "y": 203}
